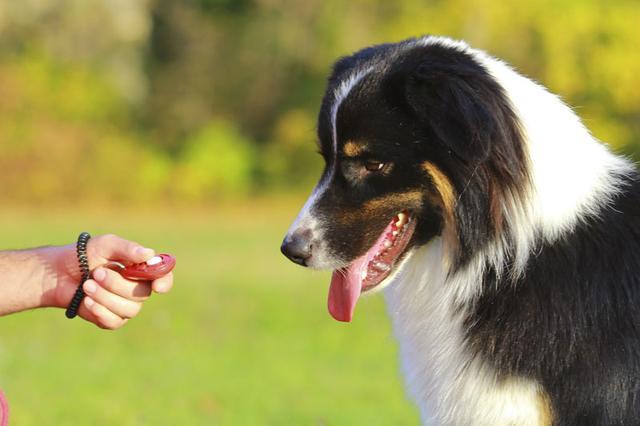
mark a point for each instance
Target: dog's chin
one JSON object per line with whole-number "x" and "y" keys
{"x": 373, "y": 270}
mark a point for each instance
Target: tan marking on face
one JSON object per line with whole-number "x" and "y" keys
{"x": 447, "y": 199}
{"x": 443, "y": 185}
{"x": 353, "y": 149}
{"x": 404, "y": 199}
{"x": 382, "y": 205}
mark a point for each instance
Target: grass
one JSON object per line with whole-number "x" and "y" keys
{"x": 244, "y": 338}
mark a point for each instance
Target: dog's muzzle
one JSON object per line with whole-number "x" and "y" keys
{"x": 297, "y": 246}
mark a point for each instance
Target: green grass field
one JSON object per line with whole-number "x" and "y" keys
{"x": 244, "y": 338}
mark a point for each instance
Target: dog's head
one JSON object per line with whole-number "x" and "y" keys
{"x": 419, "y": 141}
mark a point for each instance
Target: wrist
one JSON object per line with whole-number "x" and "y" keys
{"x": 61, "y": 272}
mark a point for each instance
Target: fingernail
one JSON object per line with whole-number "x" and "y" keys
{"x": 88, "y": 301}
{"x": 99, "y": 274}
{"x": 90, "y": 287}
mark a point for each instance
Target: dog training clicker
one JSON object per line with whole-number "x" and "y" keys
{"x": 154, "y": 268}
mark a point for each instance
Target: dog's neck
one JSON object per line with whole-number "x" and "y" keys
{"x": 445, "y": 381}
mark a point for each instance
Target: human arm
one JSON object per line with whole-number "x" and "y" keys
{"x": 48, "y": 277}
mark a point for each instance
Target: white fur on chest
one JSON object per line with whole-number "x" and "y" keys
{"x": 448, "y": 385}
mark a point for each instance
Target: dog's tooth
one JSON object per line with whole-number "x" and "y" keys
{"x": 394, "y": 233}
{"x": 402, "y": 219}
{"x": 381, "y": 266}
{"x": 363, "y": 274}
{"x": 387, "y": 244}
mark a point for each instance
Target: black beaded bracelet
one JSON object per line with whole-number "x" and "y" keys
{"x": 81, "y": 252}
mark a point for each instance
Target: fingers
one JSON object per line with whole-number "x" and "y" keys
{"x": 100, "y": 315}
{"x": 112, "y": 247}
{"x": 86, "y": 314}
{"x": 111, "y": 300}
{"x": 163, "y": 284}
{"x": 118, "y": 305}
{"x": 138, "y": 291}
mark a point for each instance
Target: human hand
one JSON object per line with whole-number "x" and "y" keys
{"x": 111, "y": 300}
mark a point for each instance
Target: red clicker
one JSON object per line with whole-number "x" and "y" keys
{"x": 150, "y": 270}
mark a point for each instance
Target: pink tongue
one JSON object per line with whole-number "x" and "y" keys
{"x": 346, "y": 285}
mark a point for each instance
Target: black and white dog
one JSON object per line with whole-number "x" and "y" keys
{"x": 506, "y": 237}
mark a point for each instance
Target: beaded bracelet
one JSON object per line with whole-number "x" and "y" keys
{"x": 81, "y": 252}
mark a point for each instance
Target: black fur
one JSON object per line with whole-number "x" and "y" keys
{"x": 468, "y": 129}
{"x": 571, "y": 321}
{"x": 421, "y": 104}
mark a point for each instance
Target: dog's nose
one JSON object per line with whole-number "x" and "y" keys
{"x": 297, "y": 246}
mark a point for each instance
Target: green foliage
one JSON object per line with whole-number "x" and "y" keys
{"x": 126, "y": 170}
{"x": 288, "y": 162}
{"x": 153, "y": 79}
{"x": 218, "y": 161}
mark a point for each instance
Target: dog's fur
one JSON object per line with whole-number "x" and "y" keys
{"x": 518, "y": 298}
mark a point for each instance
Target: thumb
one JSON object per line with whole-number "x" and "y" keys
{"x": 112, "y": 247}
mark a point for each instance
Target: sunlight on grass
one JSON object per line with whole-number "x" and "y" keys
{"x": 243, "y": 339}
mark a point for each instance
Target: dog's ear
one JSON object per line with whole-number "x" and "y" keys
{"x": 452, "y": 101}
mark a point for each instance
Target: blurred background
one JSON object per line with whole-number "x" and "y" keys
{"x": 190, "y": 126}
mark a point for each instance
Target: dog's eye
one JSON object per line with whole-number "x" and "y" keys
{"x": 373, "y": 166}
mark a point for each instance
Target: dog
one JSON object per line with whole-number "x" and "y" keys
{"x": 505, "y": 236}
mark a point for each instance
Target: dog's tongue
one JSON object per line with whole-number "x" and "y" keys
{"x": 346, "y": 285}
